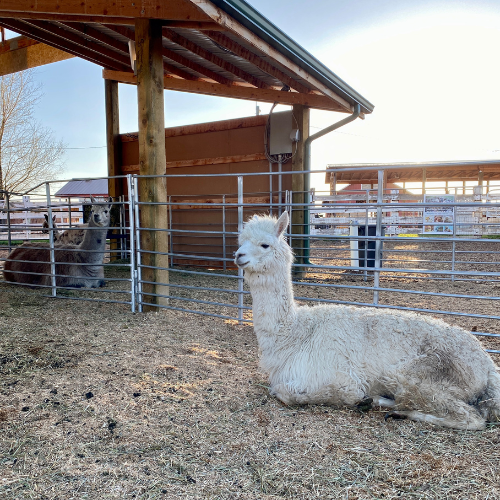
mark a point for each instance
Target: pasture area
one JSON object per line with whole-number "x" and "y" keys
{"x": 98, "y": 403}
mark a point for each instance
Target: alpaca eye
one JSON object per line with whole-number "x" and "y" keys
{"x": 265, "y": 246}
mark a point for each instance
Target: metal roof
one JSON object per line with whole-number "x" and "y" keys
{"x": 83, "y": 189}
{"x": 216, "y": 47}
{"x": 366, "y": 173}
{"x": 258, "y": 24}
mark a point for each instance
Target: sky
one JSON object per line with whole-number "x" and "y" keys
{"x": 430, "y": 68}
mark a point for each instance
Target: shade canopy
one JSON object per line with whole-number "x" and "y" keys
{"x": 219, "y": 47}
{"x": 366, "y": 173}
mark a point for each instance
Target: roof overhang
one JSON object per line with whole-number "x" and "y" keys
{"x": 367, "y": 173}
{"x": 218, "y": 47}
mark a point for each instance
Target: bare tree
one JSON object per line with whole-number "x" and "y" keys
{"x": 29, "y": 154}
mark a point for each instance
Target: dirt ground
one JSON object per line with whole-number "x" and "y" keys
{"x": 97, "y": 403}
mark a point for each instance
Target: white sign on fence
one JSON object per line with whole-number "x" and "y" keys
{"x": 439, "y": 220}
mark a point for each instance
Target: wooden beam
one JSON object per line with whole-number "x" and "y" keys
{"x": 54, "y": 41}
{"x": 18, "y": 42}
{"x": 202, "y": 128}
{"x": 230, "y": 24}
{"x": 174, "y": 56}
{"x": 31, "y": 56}
{"x": 182, "y": 10}
{"x": 152, "y": 159}
{"x": 221, "y": 160}
{"x": 113, "y": 136}
{"x": 44, "y": 16}
{"x": 115, "y": 186}
{"x": 256, "y": 60}
{"x": 194, "y": 25}
{"x": 301, "y": 114}
{"x": 235, "y": 92}
{"x": 76, "y": 41}
{"x": 218, "y": 61}
{"x": 94, "y": 33}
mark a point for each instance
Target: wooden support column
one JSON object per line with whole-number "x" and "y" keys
{"x": 301, "y": 114}
{"x": 152, "y": 159}
{"x": 115, "y": 186}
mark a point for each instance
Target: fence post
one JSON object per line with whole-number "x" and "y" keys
{"x": 51, "y": 242}
{"x": 138, "y": 273}
{"x": 240, "y": 228}
{"x": 453, "y": 245}
{"x": 378, "y": 229}
{"x": 270, "y": 188}
{"x": 9, "y": 235}
{"x": 133, "y": 270}
{"x": 224, "y": 265}
{"x": 171, "y": 236}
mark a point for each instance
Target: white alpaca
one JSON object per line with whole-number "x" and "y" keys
{"x": 420, "y": 367}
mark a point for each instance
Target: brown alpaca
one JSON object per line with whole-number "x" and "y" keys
{"x": 46, "y": 225}
{"x": 76, "y": 265}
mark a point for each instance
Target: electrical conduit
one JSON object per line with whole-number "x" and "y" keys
{"x": 307, "y": 168}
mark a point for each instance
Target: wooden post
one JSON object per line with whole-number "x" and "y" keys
{"x": 152, "y": 159}
{"x": 115, "y": 189}
{"x": 301, "y": 114}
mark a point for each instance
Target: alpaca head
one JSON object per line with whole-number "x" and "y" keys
{"x": 100, "y": 214}
{"x": 262, "y": 245}
{"x": 46, "y": 224}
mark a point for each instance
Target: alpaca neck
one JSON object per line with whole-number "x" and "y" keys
{"x": 94, "y": 239}
{"x": 273, "y": 302}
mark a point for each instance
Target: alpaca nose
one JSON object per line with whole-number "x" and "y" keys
{"x": 239, "y": 255}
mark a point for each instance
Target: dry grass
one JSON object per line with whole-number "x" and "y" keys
{"x": 97, "y": 402}
{"x": 100, "y": 403}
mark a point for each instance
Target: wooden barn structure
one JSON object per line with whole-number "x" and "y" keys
{"x": 215, "y": 47}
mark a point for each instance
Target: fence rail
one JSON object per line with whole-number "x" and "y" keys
{"x": 436, "y": 254}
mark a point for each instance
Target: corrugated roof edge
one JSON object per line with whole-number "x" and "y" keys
{"x": 261, "y": 26}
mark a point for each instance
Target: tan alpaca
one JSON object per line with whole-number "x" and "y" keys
{"x": 76, "y": 265}
{"x": 71, "y": 236}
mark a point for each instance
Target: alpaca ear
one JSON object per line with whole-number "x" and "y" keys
{"x": 92, "y": 199}
{"x": 46, "y": 217}
{"x": 282, "y": 224}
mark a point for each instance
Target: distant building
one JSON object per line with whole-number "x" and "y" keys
{"x": 84, "y": 189}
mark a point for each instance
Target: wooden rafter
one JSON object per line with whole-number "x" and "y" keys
{"x": 122, "y": 46}
{"x": 237, "y": 49}
{"x": 94, "y": 33}
{"x": 44, "y": 37}
{"x": 235, "y": 91}
{"x": 80, "y": 41}
{"x": 175, "y": 56}
{"x": 240, "y": 31}
{"x": 208, "y": 56}
{"x": 193, "y": 25}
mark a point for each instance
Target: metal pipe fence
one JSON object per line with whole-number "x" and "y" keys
{"x": 48, "y": 264}
{"x": 358, "y": 248}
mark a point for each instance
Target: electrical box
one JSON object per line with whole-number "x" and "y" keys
{"x": 280, "y": 133}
